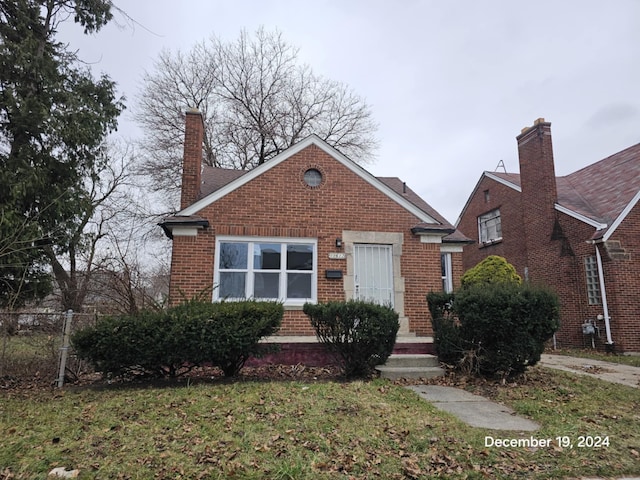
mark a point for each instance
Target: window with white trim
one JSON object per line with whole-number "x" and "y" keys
{"x": 593, "y": 282}
{"x": 447, "y": 276}
{"x": 490, "y": 226}
{"x": 266, "y": 269}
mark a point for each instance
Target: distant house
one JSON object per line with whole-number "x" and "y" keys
{"x": 309, "y": 225}
{"x": 579, "y": 234}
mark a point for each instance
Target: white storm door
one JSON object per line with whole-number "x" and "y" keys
{"x": 373, "y": 273}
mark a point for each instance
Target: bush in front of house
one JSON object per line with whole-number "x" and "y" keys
{"x": 447, "y": 342}
{"x": 507, "y": 325}
{"x": 227, "y": 334}
{"x": 169, "y": 343}
{"x": 360, "y": 334}
{"x": 493, "y": 269}
{"x": 141, "y": 344}
{"x": 500, "y": 328}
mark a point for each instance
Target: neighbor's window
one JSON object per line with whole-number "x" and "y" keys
{"x": 447, "y": 277}
{"x": 490, "y": 227}
{"x": 593, "y": 282}
{"x": 266, "y": 269}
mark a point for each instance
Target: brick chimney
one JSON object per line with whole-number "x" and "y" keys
{"x": 537, "y": 171}
{"x": 539, "y": 193}
{"x": 192, "y": 160}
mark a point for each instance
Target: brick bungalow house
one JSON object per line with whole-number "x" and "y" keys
{"x": 308, "y": 225}
{"x": 579, "y": 234}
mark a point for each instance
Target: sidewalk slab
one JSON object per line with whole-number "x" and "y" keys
{"x": 608, "y": 371}
{"x": 474, "y": 410}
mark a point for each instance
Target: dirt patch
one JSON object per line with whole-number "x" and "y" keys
{"x": 266, "y": 373}
{"x": 595, "y": 369}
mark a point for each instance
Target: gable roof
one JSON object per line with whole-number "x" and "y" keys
{"x": 601, "y": 194}
{"x": 218, "y": 182}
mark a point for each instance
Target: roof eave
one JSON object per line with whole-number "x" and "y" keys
{"x": 169, "y": 224}
{"x": 435, "y": 230}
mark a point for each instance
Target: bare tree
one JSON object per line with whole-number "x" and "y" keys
{"x": 107, "y": 202}
{"x": 256, "y": 101}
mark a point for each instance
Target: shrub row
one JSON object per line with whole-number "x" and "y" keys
{"x": 167, "y": 343}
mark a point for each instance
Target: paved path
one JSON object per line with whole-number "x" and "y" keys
{"x": 608, "y": 371}
{"x": 480, "y": 412}
{"x": 475, "y": 410}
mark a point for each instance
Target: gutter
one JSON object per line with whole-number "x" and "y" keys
{"x": 603, "y": 292}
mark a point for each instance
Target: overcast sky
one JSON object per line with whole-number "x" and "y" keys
{"x": 451, "y": 83}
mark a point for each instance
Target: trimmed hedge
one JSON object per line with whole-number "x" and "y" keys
{"x": 360, "y": 334}
{"x": 169, "y": 343}
{"x": 494, "y": 329}
{"x": 446, "y": 332}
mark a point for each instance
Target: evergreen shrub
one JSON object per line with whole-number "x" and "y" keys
{"x": 446, "y": 333}
{"x": 169, "y": 343}
{"x": 360, "y": 334}
{"x": 494, "y": 325}
{"x": 493, "y": 269}
{"x": 503, "y": 327}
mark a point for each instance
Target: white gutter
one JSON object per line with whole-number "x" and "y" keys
{"x": 603, "y": 292}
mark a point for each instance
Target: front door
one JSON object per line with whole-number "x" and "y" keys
{"x": 373, "y": 273}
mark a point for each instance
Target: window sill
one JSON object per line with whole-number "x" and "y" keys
{"x": 292, "y": 307}
{"x": 489, "y": 243}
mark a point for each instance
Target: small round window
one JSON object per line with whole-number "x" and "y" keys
{"x": 313, "y": 177}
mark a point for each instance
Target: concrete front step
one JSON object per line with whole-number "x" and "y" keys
{"x": 410, "y": 366}
{"x": 394, "y": 373}
{"x": 412, "y": 360}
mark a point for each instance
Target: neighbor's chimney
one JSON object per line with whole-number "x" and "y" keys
{"x": 537, "y": 171}
{"x": 539, "y": 194}
{"x": 192, "y": 160}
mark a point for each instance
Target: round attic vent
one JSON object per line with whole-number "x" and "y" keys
{"x": 313, "y": 177}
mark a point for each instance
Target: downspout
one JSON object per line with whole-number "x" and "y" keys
{"x": 603, "y": 292}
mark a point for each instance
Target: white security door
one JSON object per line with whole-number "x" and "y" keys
{"x": 373, "y": 273}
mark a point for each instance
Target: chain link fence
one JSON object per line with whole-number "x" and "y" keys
{"x": 31, "y": 348}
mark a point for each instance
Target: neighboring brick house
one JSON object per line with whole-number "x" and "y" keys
{"x": 579, "y": 234}
{"x": 308, "y": 225}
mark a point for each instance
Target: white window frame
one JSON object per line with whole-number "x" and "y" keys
{"x": 249, "y": 280}
{"x": 447, "y": 274}
{"x": 594, "y": 295}
{"x": 488, "y": 225}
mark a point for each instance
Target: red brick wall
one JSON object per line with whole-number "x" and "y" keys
{"x": 553, "y": 246}
{"x": 279, "y": 204}
{"x": 622, "y": 277}
{"x": 564, "y": 270}
{"x": 508, "y": 201}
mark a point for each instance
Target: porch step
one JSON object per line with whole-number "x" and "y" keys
{"x": 411, "y": 366}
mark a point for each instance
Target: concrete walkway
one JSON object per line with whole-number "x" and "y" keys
{"x": 483, "y": 413}
{"x": 473, "y": 409}
{"x": 607, "y": 371}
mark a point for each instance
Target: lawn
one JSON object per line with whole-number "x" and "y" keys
{"x": 311, "y": 429}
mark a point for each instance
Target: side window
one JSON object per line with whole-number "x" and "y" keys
{"x": 490, "y": 227}
{"x": 447, "y": 276}
{"x": 593, "y": 282}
